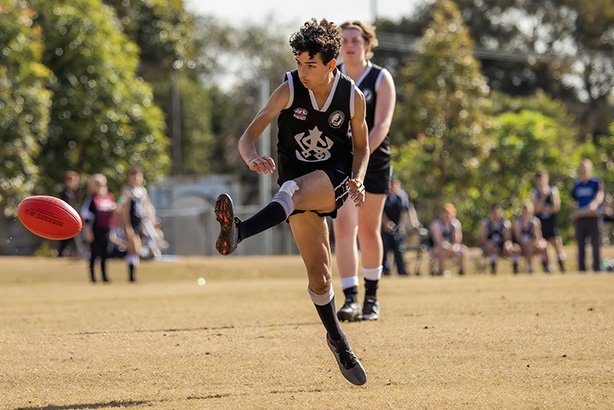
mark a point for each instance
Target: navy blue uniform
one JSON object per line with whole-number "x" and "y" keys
{"x": 378, "y": 174}
{"x": 496, "y": 232}
{"x": 314, "y": 138}
{"x": 548, "y": 221}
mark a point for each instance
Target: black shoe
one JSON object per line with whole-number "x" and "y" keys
{"x": 515, "y": 267}
{"x": 493, "y": 268}
{"x": 226, "y": 241}
{"x": 348, "y": 363}
{"x": 350, "y": 311}
{"x": 370, "y": 309}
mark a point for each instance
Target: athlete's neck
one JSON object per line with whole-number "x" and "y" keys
{"x": 321, "y": 91}
{"x": 355, "y": 70}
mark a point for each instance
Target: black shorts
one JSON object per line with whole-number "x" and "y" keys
{"x": 378, "y": 181}
{"x": 549, "y": 227}
{"x": 338, "y": 180}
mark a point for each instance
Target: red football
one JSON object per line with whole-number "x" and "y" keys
{"x": 49, "y": 217}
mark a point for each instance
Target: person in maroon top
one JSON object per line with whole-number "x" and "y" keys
{"x": 97, "y": 213}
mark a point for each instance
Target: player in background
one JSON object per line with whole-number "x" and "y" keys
{"x": 496, "y": 239}
{"x": 319, "y": 168}
{"x": 547, "y": 204}
{"x": 364, "y": 223}
{"x": 135, "y": 213}
{"x": 528, "y": 234}
{"x": 447, "y": 237}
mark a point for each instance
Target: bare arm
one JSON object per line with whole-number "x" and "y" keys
{"x": 360, "y": 144}
{"x": 384, "y": 109}
{"x": 537, "y": 228}
{"x": 598, "y": 200}
{"x": 247, "y": 143}
{"x": 556, "y": 200}
{"x": 435, "y": 233}
{"x": 483, "y": 233}
{"x": 458, "y": 232}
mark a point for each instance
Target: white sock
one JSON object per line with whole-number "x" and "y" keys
{"x": 372, "y": 273}
{"x": 321, "y": 300}
{"x": 349, "y": 282}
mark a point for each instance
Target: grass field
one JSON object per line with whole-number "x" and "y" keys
{"x": 249, "y": 338}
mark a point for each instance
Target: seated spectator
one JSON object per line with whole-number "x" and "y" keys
{"x": 528, "y": 234}
{"x": 447, "y": 239}
{"x": 496, "y": 239}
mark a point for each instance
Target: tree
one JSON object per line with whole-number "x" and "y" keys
{"x": 103, "y": 118}
{"x": 563, "y": 47}
{"x": 24, "y": 103}
{"x": 444, "y": 104}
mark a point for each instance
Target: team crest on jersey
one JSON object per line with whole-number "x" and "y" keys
{"x": 336, "y": 119}
{"x": 300, "y": 113}
{"x": 368, "y": 95}
{"x": 313, "y": 146}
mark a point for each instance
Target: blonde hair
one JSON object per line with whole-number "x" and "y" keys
{"x": 450, "y": 209}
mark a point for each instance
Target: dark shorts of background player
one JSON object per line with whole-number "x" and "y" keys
{"x": 498, "y": 245}
{"x": 339, "y": 181}
{"x": 549, "y": 227}
{"x": 378, "y": 181}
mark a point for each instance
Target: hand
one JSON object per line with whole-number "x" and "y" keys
{"x": 262, "y": 165}
{"x": 390, "y": 226}
{"x": 356, "y": 191}
{"x": 88, "y": 236}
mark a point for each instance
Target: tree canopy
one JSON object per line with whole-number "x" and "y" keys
{"x": 24, "y": 102}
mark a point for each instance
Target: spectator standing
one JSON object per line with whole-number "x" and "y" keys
{"x": 69, "y": 195}
{"x": 588, "y": 194}
{"x": 399, "y": 212}
{"x": 97, "y": 213}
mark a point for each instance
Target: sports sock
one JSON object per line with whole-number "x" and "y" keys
{"x": 269, "y": 216}
{"x": 328, "y": 316}
{"x": 372, "y": 277}
{"x": 325, "y": 306}
{"x": 131, "y": 273}
{"x": 351, "y": 292}
{"x": 371, "y": 287}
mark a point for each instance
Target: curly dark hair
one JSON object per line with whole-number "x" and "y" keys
{"x": 313, "y": 37}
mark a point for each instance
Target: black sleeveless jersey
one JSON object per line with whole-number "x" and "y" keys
{"x": 369, "y": 80}
{"x": 312, "y": 138}
{"x": 549, "y": 201}
{"x": 496, "y": 230}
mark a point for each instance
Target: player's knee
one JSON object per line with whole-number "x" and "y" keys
{"x": 320, "y": 283}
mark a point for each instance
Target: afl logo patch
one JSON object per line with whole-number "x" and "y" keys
{"x": 336, "y": 119}
{"x": 300, "y": 114}
{"x": 368, "y": 95}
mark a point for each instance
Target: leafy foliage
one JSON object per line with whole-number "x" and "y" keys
{"x": 103, "y": 118}
{"x": 444, "y": 102}
{"x": 24, "y": 103}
